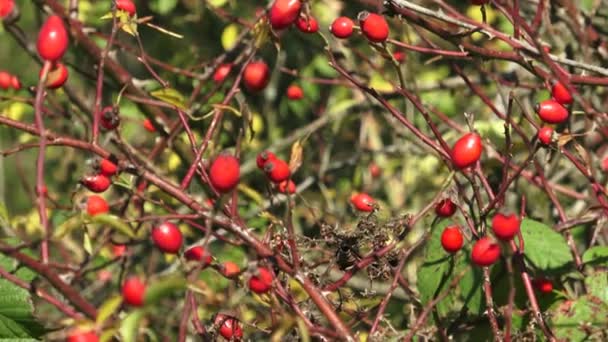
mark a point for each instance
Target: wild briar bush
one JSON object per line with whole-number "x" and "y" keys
{"x": 309, "y": 170}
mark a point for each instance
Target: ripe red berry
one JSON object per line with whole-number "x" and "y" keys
{"x": 222, "y": 71}
{"x": 119, "y": 250}
{"x": 127, "y": 6}
{"x": 149, "y": 126}
{"x": 287, "y": 187}
{"x": 277, "y": 170}
{"x": 79, "y": 335}
{"x": 505, "y": 227}
{"x": 230, "y": 269}
{"x": 5, "y": 80}
{"x": 15, "y": 83}
{"x": 550, "y": 111}
{"x": 256, "y": 76}
{"x": 399, "y": 56}
{"x": 451, "y": 239}
{"x": 229, "y": 327}
{"x": 307, "y": 24}
{"x": 466, "y": 151}
{"x": 445, "y": 208}
{"x": 224, "y": 173}
{"x": 97, "y": 205}
{"x": 262, "y": 281}
{"x": 374, "y": 170}
{"x": 198, "y": 253}
{"x": 6, "y": 8}
{"x": 107, "y": 167}
{"x": 342, "y": 27}
{"x": 294, "y": 92}
{"x": 374, "y": 26}
{"x": 543, "y": 285}
{"x": 485, "y": 252}
{"x": 561, "y": 94}
{"x": 263, "y": 157}
{"x": 109, "y": 118}
{"x": 363, "y": 202}
{"x": 133, "y": 291}
{"x": 96, "y": 183}
{"x": 545, "y": 135}
{"x": 56, "y": 77}
{"x": 52, "y": 39}
{"x": 167, "y": 237}
{"x": 284, "y": 13}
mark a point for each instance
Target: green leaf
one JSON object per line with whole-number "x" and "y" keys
{"x": 163, "y": 288}
{"x": 546, "y": 249}
{"x": 596, "y": 255}
{"x": 576, "y": 320}
{"x": 163, "y": 6}
{"x": 170, "y": 96}
{"x": 114, "y": 222}
{"x": 130, "y": 325}
{"x": 597, "y": 285}
{"x": 107, "y": 309}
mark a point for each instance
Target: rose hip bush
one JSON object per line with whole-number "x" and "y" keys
{"x": 310, "y": 170}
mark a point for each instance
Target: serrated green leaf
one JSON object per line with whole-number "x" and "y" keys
{"x": 597, "y": 285}
{"x": 170, "y": 96}
{"x": 107, "y": 309}
{"x": 546, "y": 249}
{"x": 162, "y": 288}
{"x": 596, "y": 255}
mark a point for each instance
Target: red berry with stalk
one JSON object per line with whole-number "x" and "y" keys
{"x": 108, "y": 167}
{"x": 451, "y": 239}
{"x": 198, "y": 253}
{"x": 485, "y": 252}
{"x": 543, "y": 285}
{"x": 256, "y": 76}
{"x": 342, "y": 27}
{"x": 505, "y": 227}
{"x": 262, "y": 281}
{"x": 222, "y": 71}
{"x": 363, "y": 202}
{"x": 467, "y": 151}
{"x": 374, "y": 27}
{"x": 52, "y": 39}
{"x": 277, "y": 170}
{"x": 6, "y": 8}
{"x": 97, "y": 205}
{"x": 445, "y": 208}
{"x": 56, "y": 77}
{"x": 561, "y": 94}
{"x": 228, "y": 327}
{"x": 287, "y": 187}
{"x": 167, "y": 237}
{"x": 264, "y": 157}
{"x": 133, "y": 291}
{"x": 97, "y": 183}
{"x": 15, "y": 83}
{"x": 545, "y": 135}
{"x": 149, "y": 126}
{"x": 224, "y": 173}
{"x": 230, "y": 269}
{"x": 127, "y": 6}
{"x": 307, "y": 24}
{"x": 284, "y": 13}
{"x": 552, "y": 112}
{"x": 294, "y": 92}
{"x": 5, "y": 80}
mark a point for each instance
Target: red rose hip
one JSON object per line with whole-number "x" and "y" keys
{"x": 198, "y": 253}
{"x": 228, "y": 327}
{"x": 342, "y": 27}
{"x": 451, "y": 239}
{"x": 505, "y": 227}
{"x": 256, "y": 76}
{"x": 287, "y": 187}
{"x": 82, "y": 335}
{"x": 307, "y": 25}
{"x": 127, "y": 6}
{"x": 230, "y": 269}
{"x": 445, "y": 208}
{"x": 363, "y": 202}
{"x": 545, "y": 135}
{"x": 52, "y": 39}
{"x": 284, "y": 13}
{"x": 263, "y": 157}
{"x": 550, "y": 111}
{"x": 224, "y": 173}
{"x": 374, "y": 27}
{"x": 56, "y": 77}
{"x": 109, "y": 118}
{"x": 277, "y": 170}
{"x": 561, "y": 94}
{"x": 6, "y": 8}
{"x": 222, "y": 72}
{"x": 97, "y": 205}
{"x": 294, "y": 92}
{"x": 96, "y": 183}
{"x": 167, "y": 237}
{"x": 133, "y": 291}
{"x": 466, "y": 151}
{"x": 261, "y": 282}
{"x": 5, "y": 80}
{"x": 543, "y": 285}
{"x": 485, "y": 252}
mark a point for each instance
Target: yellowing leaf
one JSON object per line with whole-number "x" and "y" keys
{"x": 229, "y": 36}
{"x": 87, "y": 245}
{"x": 217, "y": 3}
{"x": 295, "y": 161}
{"x": 108, "y": 308}
{"x": 170, "y": 96}
{"x": 380, "y": 84}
